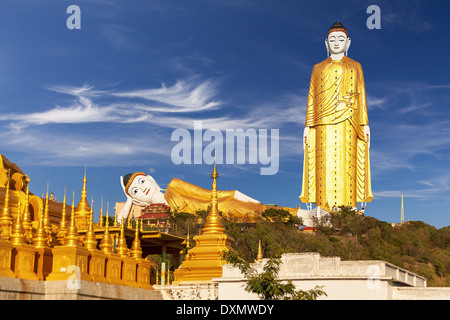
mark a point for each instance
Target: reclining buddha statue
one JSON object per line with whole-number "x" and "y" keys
{"x": 142, "y": 190}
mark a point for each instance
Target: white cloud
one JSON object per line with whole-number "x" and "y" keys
{"x": 69, "y": 148}
{"x": 181, "y": 97}
{"x": 437, "y": 188}
{"x": 135, "y": 122}
{"x": 118, "y": 36}
{"x": 376, "y": 103}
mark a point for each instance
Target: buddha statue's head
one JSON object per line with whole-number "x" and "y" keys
{"x": 142, "y": 189}
{"x": 337, "y": 41}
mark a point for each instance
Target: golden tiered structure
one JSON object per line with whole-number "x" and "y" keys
{"x": 38, "y": 243}
{"x": 205, "y": 260}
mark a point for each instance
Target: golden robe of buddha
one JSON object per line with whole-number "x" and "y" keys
{"x": 181, "y": 196}
{"x": 336, "y": 169}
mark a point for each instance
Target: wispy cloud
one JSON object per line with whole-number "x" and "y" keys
{"x": 181, "y": 97}
{"x": 117, "y": 35}
{"x": 436, "y": 188}
{"x": 72, "y": 148}
{"x": 396, "y": 16}
{"x": 376, "y": 102}
{"x": 70, "y": 131}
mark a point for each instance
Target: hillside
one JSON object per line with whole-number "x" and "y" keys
{"x": 415, "y": 246}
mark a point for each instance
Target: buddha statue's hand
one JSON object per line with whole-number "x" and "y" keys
{"x": 305, "y": 137}
{"x": 367, "y": 134}
{"x": 123, "y": 188}
{"x": 123, "y": 214}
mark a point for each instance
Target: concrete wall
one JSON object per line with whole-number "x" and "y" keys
{"x": 189, "y": 291}
{"x": 341, "y": 280}
{"x": 434, "y": 293}
{"x": 19, "y": 289}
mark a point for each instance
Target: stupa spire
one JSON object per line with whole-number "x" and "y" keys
{"x": 106, "y": 245}
{"x": 18, "y": 235}
{"x": 40, "y": 237}
{"x": 187, "y": 256}
{"x": 100, "y": 218}
{"x": 6, "y": 220}
{"x": 71, "y": 238}
{"x": 259, "y": 256}
{"x": 136, "y": 250}
{"x": 62, "y": 223}
{"x": 122, "y": 248}
{"x": 213, "y": 221}
{"x": 26, "y": 221}
{"x": 90, "y": 242}
{"x": 83, "y": 208}
{"x": 47, "y": 225}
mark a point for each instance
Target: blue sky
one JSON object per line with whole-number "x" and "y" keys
{"x": 110, "y": 95}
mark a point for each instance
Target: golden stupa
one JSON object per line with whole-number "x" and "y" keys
{"x": 204, "y": 261}
{"x": 39, "y": 242}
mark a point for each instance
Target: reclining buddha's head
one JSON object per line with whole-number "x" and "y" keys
{"x": 142, "y": 189}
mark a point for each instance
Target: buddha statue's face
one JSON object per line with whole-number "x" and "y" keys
{"x": 337, "y": 42}
{"x": 142, "y": 190}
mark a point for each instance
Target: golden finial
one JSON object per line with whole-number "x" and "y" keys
{"x": 106, "y": 244}
{"x": 122, "y": 248}
{"x": 40, "y": 237}
{"x": 115, "y": 218}
{"x": 90, "y": 242}
{"x": 83, "y": 206}
{"x": 92, "y": 210}
{"x": 71, "y": 237}
{"x": 100, "y": 218}
{"x": 259, "y": 256}
{"x": 27, "y": 217}
{"x": 47, "y": 225}
{"x": 142, "y": 225}
{"x": 187, "y": 256}
{"x": 62, "y": 223}
{"x": 213, "y": 222}
{"x": 18, "y": 236}
{"x": 6, "y": 220}
{"x": 136, "y": 250}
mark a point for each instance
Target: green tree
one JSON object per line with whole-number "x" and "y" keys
{"x": 280, "y": 216}
{"x": 266, "y": 284}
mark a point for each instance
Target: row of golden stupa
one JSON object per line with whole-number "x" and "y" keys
{"x": 39, "y": 241}
{"x": 47, "y": 253}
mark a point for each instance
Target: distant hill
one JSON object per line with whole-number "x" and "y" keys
{"x": 415, "y": 245}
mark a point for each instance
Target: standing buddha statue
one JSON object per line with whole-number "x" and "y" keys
{"x": 336, "y": 139}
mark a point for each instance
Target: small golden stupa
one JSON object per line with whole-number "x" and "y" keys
{"x": 204, "y": 261}
{"x": 83, "y": 210}
{"x": 44, "y": 240}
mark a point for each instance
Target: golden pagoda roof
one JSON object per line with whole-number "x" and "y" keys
{"x": 83, "y": 208}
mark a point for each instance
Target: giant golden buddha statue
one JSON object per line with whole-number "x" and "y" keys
{"x": 181, "y": 196}
{"x": 336, "y": 169}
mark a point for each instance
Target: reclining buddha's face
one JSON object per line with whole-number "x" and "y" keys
{"x": 144, "y": 190}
